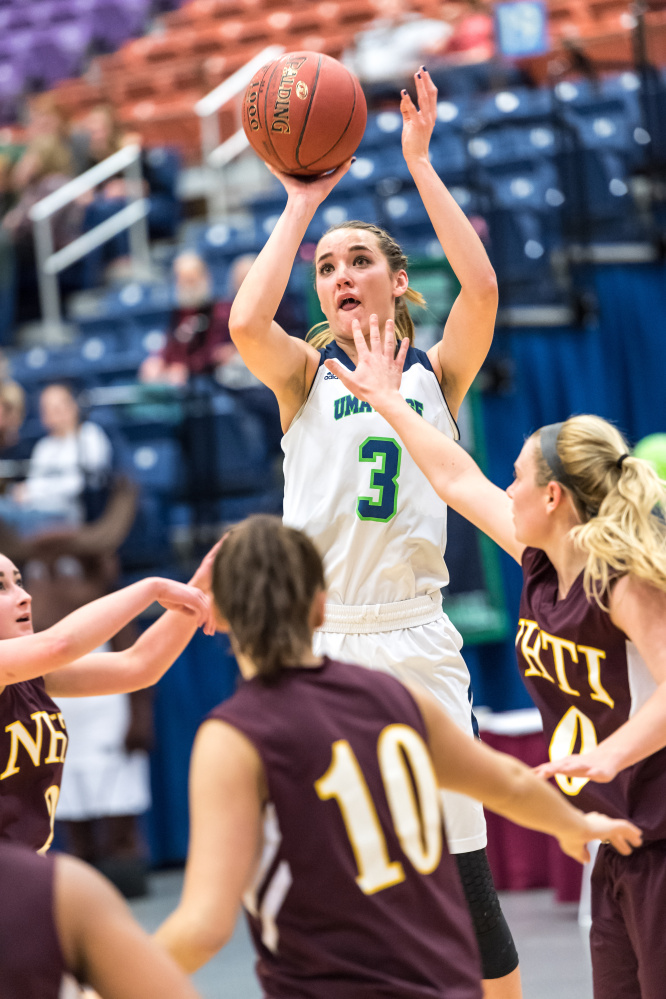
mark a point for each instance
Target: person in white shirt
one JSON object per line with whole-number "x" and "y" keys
{"x": 73, "y": 456}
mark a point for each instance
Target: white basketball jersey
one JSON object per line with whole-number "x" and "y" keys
{"x": 353, "y": 488}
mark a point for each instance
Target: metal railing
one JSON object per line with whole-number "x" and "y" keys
{"x": 133, "y": 217}
{"x": 215, "y": 156}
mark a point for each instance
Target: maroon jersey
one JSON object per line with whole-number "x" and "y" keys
{"x": 356, "y": 893}
{"x": 587, "y": 679}
{"x": 33, "y": 742}
{"x": 31, "y": 961}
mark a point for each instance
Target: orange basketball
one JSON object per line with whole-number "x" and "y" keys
{"x": 304, "y": 113}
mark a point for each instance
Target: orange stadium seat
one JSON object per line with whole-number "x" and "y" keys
{"x": 171, "y": 121}
{"x": 193, "y": 13}
{"x": 77, "y": 96}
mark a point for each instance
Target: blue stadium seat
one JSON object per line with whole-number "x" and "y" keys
{"x": 405, "y": 214}
{"x": 220, "y": 243}
{"x": 526, "y": 184}
{"x": 226, "y": 448}
{"x": 514, "y": 106}
{"x": 383, "y": 130}
{"x": 156, "y": 465}
{"x": 339, "y": 209}
{"x": 448, "y": 154}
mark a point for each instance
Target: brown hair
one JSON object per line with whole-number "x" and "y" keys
{"x": 621, "y": 503}
{"x": 265, "y": 577}
{"x": 321, "y": 334}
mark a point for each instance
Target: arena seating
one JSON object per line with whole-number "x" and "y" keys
{"x": 534, "y": 168}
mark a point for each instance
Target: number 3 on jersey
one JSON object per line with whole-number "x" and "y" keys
{"x": 383, "y": 479}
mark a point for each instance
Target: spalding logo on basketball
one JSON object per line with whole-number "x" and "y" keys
{"x": 304, "y": 113}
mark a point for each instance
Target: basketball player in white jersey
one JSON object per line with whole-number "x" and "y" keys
{"x": 349, "y": 484}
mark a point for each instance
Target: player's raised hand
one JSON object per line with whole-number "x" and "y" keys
{"x": 312, "y": 190}
{"x": 596, "y": 765}
{"x": 185, "y": 599}
{"x": 418, "y": 123}
{"x": 378, "y": 369}
{"x": 621, "y": 834}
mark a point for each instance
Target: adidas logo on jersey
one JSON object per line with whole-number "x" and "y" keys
{"x": 330, "y": 376}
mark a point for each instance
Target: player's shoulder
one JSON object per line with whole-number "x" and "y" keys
{"x": 417, "y": 358}
{"x": 535, "y": 561}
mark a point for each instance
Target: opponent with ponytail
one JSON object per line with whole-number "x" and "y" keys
{"x": 587, "y": 521}
{"x": 348, "y": 485}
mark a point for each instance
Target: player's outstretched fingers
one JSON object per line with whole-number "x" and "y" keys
{"x": 407, "y": 106}
{"x": 389, "y": 339}
{"x": 359, "y": 339}
{"x": 375, "y": 339}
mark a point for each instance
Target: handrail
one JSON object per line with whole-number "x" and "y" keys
{"x": 85, "y": 182}
{"x": 132, "y": 217}
{"x": 229, "y": 150}
{"x": 208, "y": 106}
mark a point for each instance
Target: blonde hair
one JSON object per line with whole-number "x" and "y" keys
{"x": 320, "y": 335}
{"x": 53, "y": 155}
{"x": 621, "y": 503}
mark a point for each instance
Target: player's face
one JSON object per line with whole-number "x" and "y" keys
{"x": 528, "y": 499}
{"x": 15, "y": 603}
{"x": 354, "y": 281}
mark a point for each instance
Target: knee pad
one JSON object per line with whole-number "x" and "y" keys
{"x": 498, "y": 951}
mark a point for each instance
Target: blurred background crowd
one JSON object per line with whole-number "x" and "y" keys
{"x": 131, "y": 432}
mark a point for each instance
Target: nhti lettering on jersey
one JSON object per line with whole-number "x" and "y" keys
{"x": 533, "y": 641}
{"x": 34, "y": 745}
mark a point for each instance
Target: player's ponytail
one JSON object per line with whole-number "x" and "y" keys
{"x": 265, "y": 577}
{"x": 621, "y": 502}
{"x": 320, "y": 335}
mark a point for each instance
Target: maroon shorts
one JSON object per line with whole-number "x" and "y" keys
{"x": 629, "y": 923}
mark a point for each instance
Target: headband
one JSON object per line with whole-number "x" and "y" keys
{"x": 548, "y": 440}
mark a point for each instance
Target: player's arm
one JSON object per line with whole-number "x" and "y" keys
{"x": 104, "y": 946}
{"x": 508, "y": 787}
{"x": 453, "y": 474}
{"x": 284, "y": 363}
{"x": 92, "y": 625}
{"x": 639, "y": 610}
{"x": 226, "y": 798}
{"x": 468, "y": 333}
{"x": 142, "y": 665}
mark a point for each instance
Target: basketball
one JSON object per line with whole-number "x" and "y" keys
{"x": 304, "y": 113}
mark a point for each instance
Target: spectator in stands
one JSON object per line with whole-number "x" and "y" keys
{"x": 472, "y": 36}
{"x": 99, "y": 136}
{"x": 13, "y": 451}
{"x": 12, "y": 414}
{"x": 198, "y": 340}
{"x": 70, "y": 463}
{"x": 392, "y": 48}
{"x": 46, "y": 118}
{"x": 44, "y": 167}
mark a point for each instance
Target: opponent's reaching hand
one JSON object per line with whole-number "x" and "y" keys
{"x": 185, "y": 599}
{"x": 378, "y": 371}
{"x": 623, "y": 835}
{"x": 203, "y": 580}
{"x": 418, "y": 123}
{"x": 597, "y": 765}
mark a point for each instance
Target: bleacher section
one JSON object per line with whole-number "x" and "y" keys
{"x": 568, "y": 171}
{"x": 46, "y": 41}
